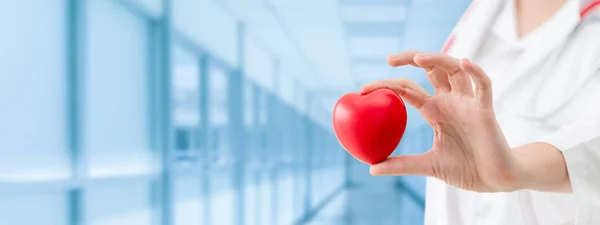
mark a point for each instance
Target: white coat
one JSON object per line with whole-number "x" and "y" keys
{"x": 551, "y": 95}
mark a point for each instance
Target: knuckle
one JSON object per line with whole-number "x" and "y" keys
{"x": 401, "y": 90}
{"x": 435, "y": 71}
{"x": 486, "y": 81}
{"x": 402, "y": 81}
{"x": 454, "y": 72}
{"x": 482, "y": 89}
{"x": 403, "y": 84}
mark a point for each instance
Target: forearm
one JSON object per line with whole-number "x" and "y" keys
{"x": 542, "y": 167}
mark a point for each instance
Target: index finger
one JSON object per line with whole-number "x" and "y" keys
{"x": 442, "y": 61}
{"x": 403, "y": 58}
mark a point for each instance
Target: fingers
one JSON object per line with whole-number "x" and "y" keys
{"x": 483, "y": 84}
{"x": 445, "y": 73}
{"x": 408, "y": 90}
{"x": 402, "y": 59}
{"x": 453, "y": 77}
{"x": 438, "y": 79}
{"x": 404, "y": 165}
{"x": 444, "y": 62}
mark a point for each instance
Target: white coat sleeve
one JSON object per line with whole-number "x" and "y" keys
{"x": 580, "y": 145}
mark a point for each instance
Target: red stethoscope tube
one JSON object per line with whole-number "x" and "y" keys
{"x": 584, "y": 12}
{"x": 589, "y": 7}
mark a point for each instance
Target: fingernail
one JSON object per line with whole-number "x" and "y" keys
{"x": 372, "y": 172}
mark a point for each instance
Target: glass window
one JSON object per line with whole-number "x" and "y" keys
{"x": 218, "y": 113}
{"x": 46, "y": 208}
{"x": 222, "y": 195}
{"x": 262, "y": 108}
{"x": 299, "y": 195}
{"x": 222, "y": 203}
{"x": 266, "y": 188}
{"x": 283, "y": 142}
{"x": 251, "y": 120}
{"x": 285, "y": 197}
{"x": 301, "y": 167}
{"x": 185, "y": 87}
{"x": 189, "y": 202}
{"x": 267, "y": 196}
{"x": 33, "y": 90}
{"x": 182, "y": 139}
{"x": 317, "y": 190}
{"x": 116, "y": 91}
{"x": 252, "y": 200}
{"x": 185, "y": 96}
{"x": 252, "y": 171}
{"x": 249, "y": 104}
{"x": 119, "y": 203}
{"x": 263, "y": 113}
{"x": 266, "y": 191}
{"x": 274, "y": 133}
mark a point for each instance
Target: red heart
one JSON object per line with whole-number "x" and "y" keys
{"x": 370, "y": 126}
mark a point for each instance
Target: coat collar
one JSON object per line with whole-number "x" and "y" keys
{"x": 473, "y": 30}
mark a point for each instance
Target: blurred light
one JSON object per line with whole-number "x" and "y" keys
{"x": 222, "y": 210}
{"x": 35, "y": 176}
{"x": 121, "y": 170}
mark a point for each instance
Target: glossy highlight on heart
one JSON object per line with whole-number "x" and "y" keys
{"x": 370, "y": 126}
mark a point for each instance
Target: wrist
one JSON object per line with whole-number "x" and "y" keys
{"x": 522, "y": 178}
{"x": 516, "y": 176}
{"x": 516, "y": 180}
{"x": 541, "y": 167}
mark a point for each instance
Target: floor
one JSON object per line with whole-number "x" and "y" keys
{"x": 368, "y": 206}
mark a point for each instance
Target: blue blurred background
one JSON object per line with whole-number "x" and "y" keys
{"x": 201, "y": 112}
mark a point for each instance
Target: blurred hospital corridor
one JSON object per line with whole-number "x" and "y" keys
{"x": 202, "y": 112}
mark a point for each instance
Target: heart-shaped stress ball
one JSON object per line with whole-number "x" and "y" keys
{"x": 370, "y": 126}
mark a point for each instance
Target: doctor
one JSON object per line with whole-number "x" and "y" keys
{"x": 515, "y": 114}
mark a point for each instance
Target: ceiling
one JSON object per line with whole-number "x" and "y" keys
{"x": 341, "y": 44}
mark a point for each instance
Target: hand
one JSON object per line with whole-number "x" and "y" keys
{"x": 469, "y": 150}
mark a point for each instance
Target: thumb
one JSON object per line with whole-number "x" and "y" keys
{"x": 420, "y": 164}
